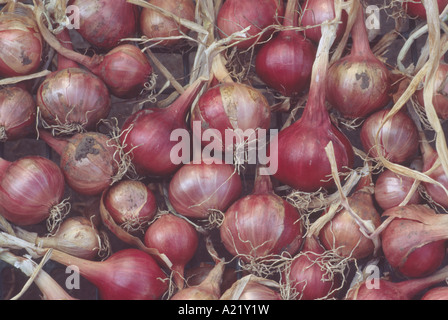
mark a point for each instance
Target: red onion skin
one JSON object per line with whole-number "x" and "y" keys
{"x": 285, "y": 62}
{"x": 307, "y": 276}
{"x": 439, "y": 100}
{"x": 398, "y": 138}
{"x": 17, "y": 113}
{"x": 391, "y": 189}
{"x": 359, "y": 83}
{"x": 87, "y": 160}
{"x": 437, "y": 293}
{"x": 317, "y": 11}
{"x": 387, "y": 290}
{"x": 20, "y": 41}
{"x": 198, "y": 187}
{"x": 177, "y": 239}
{"x": 125, "y": 70}
{"x": 412, "y": 245}
{"x": 128, "y": 274}
{"x": 157, "y": 25}
{"x": 130, "y": 203}
{"x": 436, "y": 193}
{"x": 103, "y": 23}
{"x": 149, "y": 130}
{"x": 29, "y": 188}
{"x": 256, "y": 291}
{"x": 416, "y": 9}
{"x": 261, "y": 224}
{"x": 235, "y": 15}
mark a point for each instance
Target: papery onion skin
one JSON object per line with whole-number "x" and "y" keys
{"x": 29, "y": 188}
{"x": 257, "y": 291}
{"x": 398, "y": 138}
{"x": 197, "y": 188}
{"x": 20, "y": 40}
{"x": 391, "y": 189}
{"x": 236, "y": 15}
{"x": 437, "y": 293}
{"x": 103, "y": 23}
{"x": 125, "y": 70}
{"x": 156, "y": 25}
{"x": 440, "y": 98}
{"x": 177, "y": 239}
{"x": 17, "y": 113}
{"x": 232, "y": 106}
{"x": 73, "y": 96}
{"x": 131, "y": 204}
{"x": 407, "y": 243}
{"x": 128, "y": 274}
{"x": 317, "y": 11}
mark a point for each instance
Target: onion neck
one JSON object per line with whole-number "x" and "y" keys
{"x": 291, "y": 14}
{"x": 65, "y": 40}
{"x": 91, "y": 270}
{"x": 58, "y": 145}
{"x": 414, "y": 286}
{"x": 220, "y": 71}
{"x": 361, "y": 45}
{"x": 179, "y": 108}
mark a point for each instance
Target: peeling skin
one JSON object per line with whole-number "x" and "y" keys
{"x": 365, "y": 79}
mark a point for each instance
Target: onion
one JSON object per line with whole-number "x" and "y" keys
{"x": 17, "y": 114}
{"x": 309, "y": 275}
{"x": 398, "y": 138}
{"x": 285, "y": 62}
{"x": 414, "y": 241}
{"x": 177, "y": 239}
{"x": 261, "y": 225}
{"x": 440, "y": 98}
{"x": 75, "y": 236}
{"x": 157, "y": 25}
{"x": 317, "y": 11}
{"x": 72, "y": 99}
{"x": 415, "y": 8}
{"x": 385, "y": 289}
{"x": 391, "y": 189}
{"x": 209, "y": 289}
{"x": 131, "y": 204}
{"x": 125, "y": 69}
{"x": 104, "y": 23}
{"x": 231, "y": 107}
{"x": 128, "y": 274}
{"x": 437, "y": 293}
{"x": 197, "y": 189}
{"x": 358, "y": 84}
{"x": 88, "y": 161}
{"x": 31, "y": 190}
{"x": 146, "y": 134}
{"x": 343, "y": 234}
{"x": 300, "y": 147}
{"x": 20, "y": 41}
{"x": 257, "y": 15}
